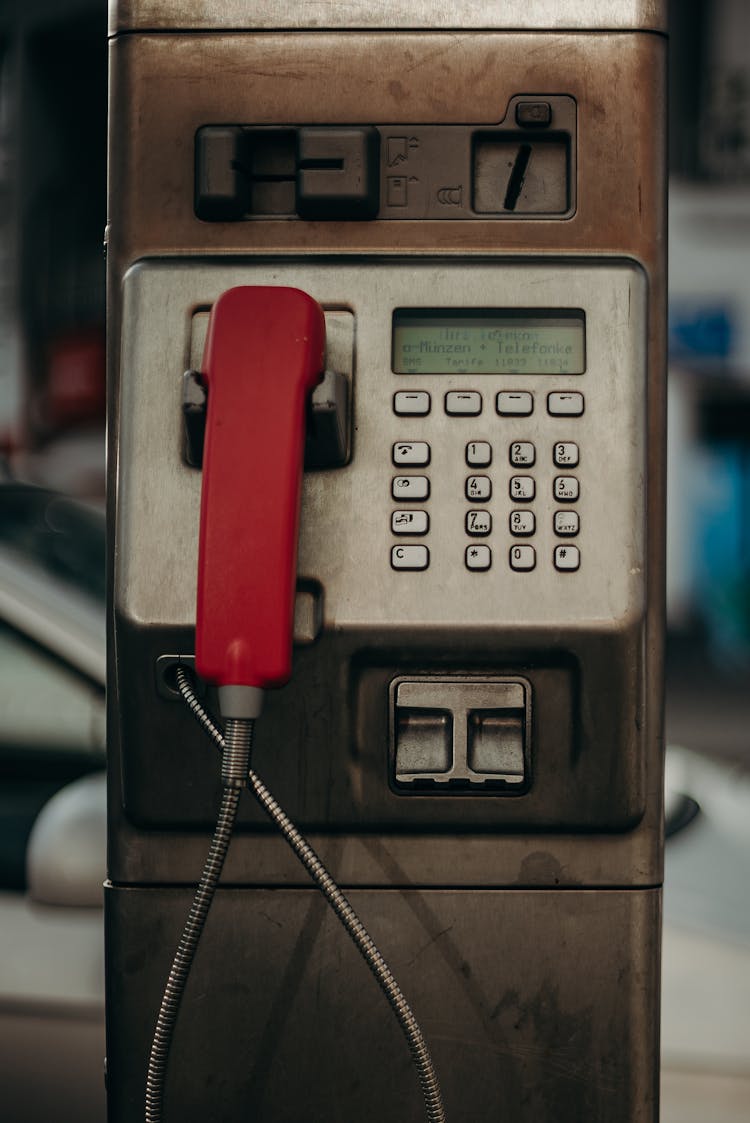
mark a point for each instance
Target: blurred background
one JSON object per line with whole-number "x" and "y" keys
{"x": 53, "y": 106}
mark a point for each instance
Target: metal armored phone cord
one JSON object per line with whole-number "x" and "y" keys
{"x": 353, "y": 926}
{"x": 234, "y": 767}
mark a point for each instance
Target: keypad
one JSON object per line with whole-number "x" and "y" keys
{"x": 513, "y": 492}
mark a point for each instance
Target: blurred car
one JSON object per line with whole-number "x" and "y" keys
{"x": 52, "y": 807}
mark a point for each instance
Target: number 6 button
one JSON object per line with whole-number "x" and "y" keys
{"x": 566, "y": 489}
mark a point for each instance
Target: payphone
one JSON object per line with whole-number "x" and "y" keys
{"x": 421, "y": 253}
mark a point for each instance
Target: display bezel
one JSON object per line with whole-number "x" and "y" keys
{"x": 501, "y": 319}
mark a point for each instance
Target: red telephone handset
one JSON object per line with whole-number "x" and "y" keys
{"x": 263, "y": 355}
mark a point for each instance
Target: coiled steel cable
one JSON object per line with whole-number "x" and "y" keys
{"x": 353, "y": 926}
{"x": 236, "y": 761}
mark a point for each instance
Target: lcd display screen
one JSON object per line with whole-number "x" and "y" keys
{"x": 488, "y": 341}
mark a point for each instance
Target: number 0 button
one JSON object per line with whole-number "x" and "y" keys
{"x": 522, "y": 557}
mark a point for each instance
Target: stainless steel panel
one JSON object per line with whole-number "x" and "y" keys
{"x": 539, "y": 1007}
{"x": 345, "y": 529}
{"x": 202, "y": 15}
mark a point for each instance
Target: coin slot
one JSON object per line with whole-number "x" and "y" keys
{"x": 495, "y": 744}
{"x": 424, "y": 741}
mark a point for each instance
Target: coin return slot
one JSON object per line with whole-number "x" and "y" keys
{"x": 495, "y": 745}
{"x": 424, "y": 741}
{"x": 460, "y": 735}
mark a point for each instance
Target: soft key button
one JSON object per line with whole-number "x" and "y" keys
{"x": 411, "y": 452}
{"x": 466, "y": 403}
{"x": 568, "y": 404}
{"x": 514, "y": 403}
{"x": 411, "y": 403}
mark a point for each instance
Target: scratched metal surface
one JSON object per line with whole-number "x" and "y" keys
{"x": 163, "y": 15}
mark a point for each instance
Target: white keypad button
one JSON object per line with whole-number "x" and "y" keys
{"x": 410, "y": 557}
{"x": 410, "y": 487}
{"x": 566, "y": 489}
{"x": 478, "y": 557}
{"x": 522, "y": 557}
{"x": 478, "y": 454}
{"x": 478, "y": 487}
{"x": 565, "y": 454}
{"x": 567, "y": 523}
{"x": 411, "y": 403}
{"x": 478, "y": 523}
{"x": 522, "y": 452}
{"x": 521, "y": 523}
{"x": 466, "y": 402}
{"x": 411, "y": 452}
{"x": 522, "y": 488}
{"x": 410, "y": 522}
{"x": 567, "y": 404}
{"x": 567, "y": 557}
{"x": 518, "y": 403}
